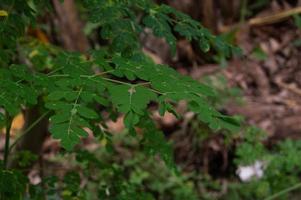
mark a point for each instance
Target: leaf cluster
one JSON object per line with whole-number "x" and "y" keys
{"x": 78, "y": 89}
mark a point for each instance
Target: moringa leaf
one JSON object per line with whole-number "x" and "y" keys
{"x": 131, "y": 98}
{"x": 87, "y": 112}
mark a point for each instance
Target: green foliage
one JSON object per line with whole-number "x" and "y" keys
{"x": 25, "y": 158}
{"x": 297, "y": 20}
{"x": 153, "y": 143}
{"x": 136, "y": 177}
{"x": 252, "y": 146}
{"x": 16, "y": 90}
{"x": 12, "y": 184}
{"x": 120, "y": 26}
{"x": 281, "y": 167}
{"x": 259, "y": 54}
{"x": 79, "y": 89}
{"x": 20, "y": 14}
{"x": 73, "y": 89}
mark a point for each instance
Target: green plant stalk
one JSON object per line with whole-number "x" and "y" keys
{"x": 7, "y": 138}
{"x": 28, "y": 130}
{"x": 282, "y": 192}
{"x": 243, "y": 11}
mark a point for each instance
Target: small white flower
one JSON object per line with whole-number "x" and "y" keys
{"x": 247, "y": 173}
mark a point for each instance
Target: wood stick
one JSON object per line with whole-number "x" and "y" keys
{"x": 258, "y": 21}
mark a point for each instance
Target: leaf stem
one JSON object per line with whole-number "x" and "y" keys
{"x": 111, "y": 80}
{"x": 117, "y": 81}
{"x": 27, "y": 130}
{"x": 142, "y": 84}
{"x": 82, "y": 76}
{"x": 59, "y": 75}
{"x": 97, "y": 74}
{"x": 54, "y": 71}
{"x": 282, "y": 192}
{"x": 73, "y": 112}
{"x": 7, "y": 138}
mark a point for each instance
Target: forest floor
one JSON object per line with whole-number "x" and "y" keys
{"x": 268, "y": 76}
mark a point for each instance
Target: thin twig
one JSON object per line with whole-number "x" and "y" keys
{"x": 274, "y": 18}
{"x": 117, "y": 81}
{"x": 260, "y": 21}
{"x": 282, "y": 192}
{"x": 111, "y": 80}
{"x": 97, "y": 74}
{"x": 290, "y": 87}
{"x": 72, "y": 111}
{"x": 7, "y": 137}
{"x": 27, "y": 130}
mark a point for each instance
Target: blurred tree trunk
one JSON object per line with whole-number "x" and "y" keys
{"x": 33, "y": 140}
{"x": 230, "y": 10}
{"x": 209, "y": 18}
{"x": 70, "y": 26}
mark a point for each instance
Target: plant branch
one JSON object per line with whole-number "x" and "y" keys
{"x": 282, "y": 192}
{"x": 73, "y": 111}
{"x": 111, "y": 80}
{"x": 7, "y": 138}
{"x": 28, "y": 130}
{"x": 98, "y": 74}
{"x": 117, "y": 81}
{"x": 274, "y": 18}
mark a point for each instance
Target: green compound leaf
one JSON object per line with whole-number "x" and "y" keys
{"x": 58, "y": 95}
{"x": 172, "y": 86}
{"x": 69, "y": 121}
{"x": 159, "y": 23}
{"x": 133, "y": 69}
{"x": 131, "y": 119}
{"x": 17, "y": 88}
{"x": 118, "y": 75}
{"x": 87, "y": 112}
{"x": 131, "y": 98}
{"x": 68, "y": 132}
